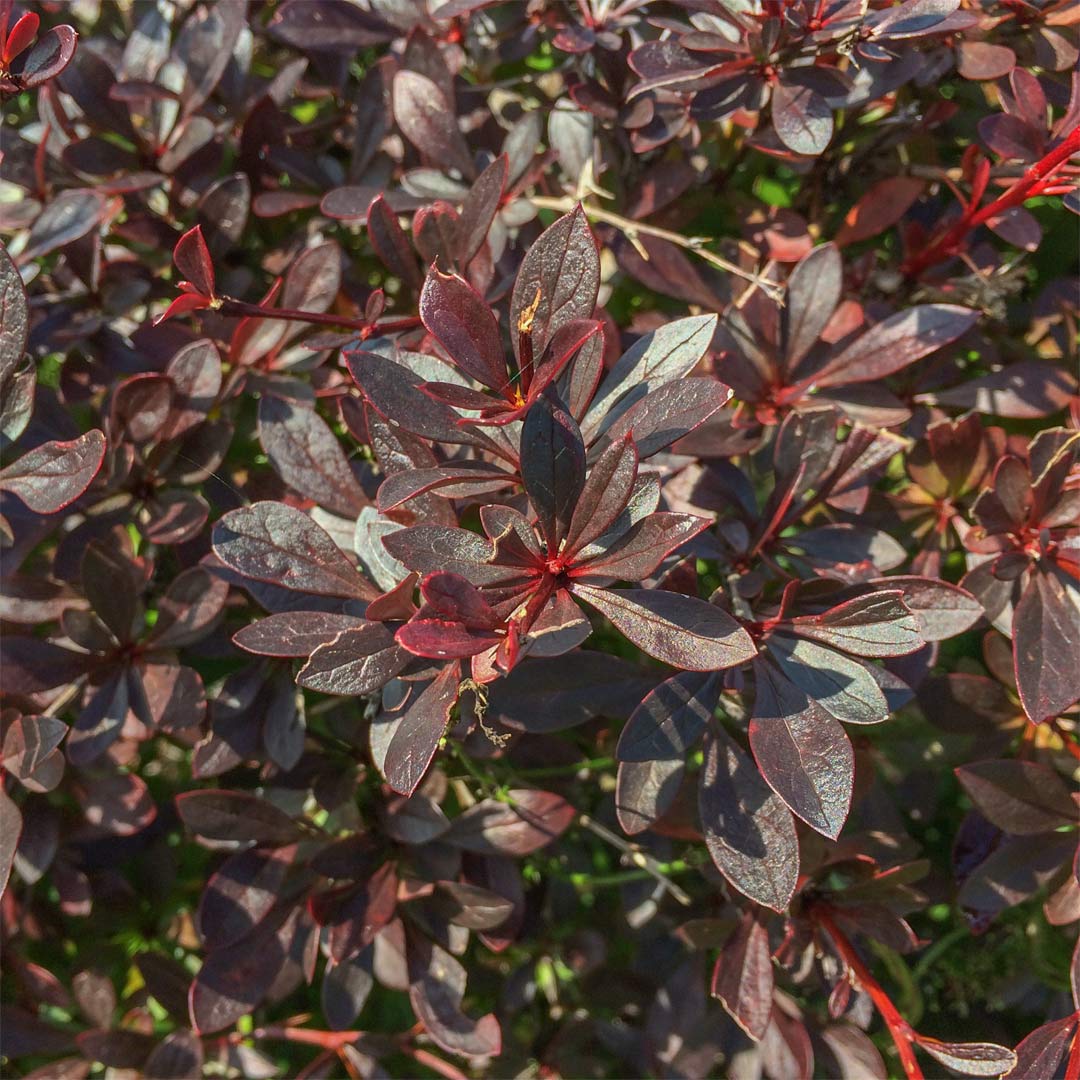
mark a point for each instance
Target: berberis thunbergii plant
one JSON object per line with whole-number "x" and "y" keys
{"x": 539, "y": 539}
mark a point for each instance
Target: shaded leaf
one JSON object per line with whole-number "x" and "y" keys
{"x": 749, "y": 831}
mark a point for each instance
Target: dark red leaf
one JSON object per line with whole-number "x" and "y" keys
{"x": 984, "y": 60}
{"x": 1020, "y": 797}
{"x": 605, "y": 495}
{"x": 178, "y": 1056}
{"x": 638, "y": 553}
{"x": 883, "y": 205}
{"x": 55, "y": 474}
{"x": 813, "y": 292}
{"x": 802, "y": 752}
{"x": 552, "y": 467}
{"x": 646, "y": 790}
{"x": 1043, "y": 1051}
{"x": 429, "y": 121}
{"x": 478, "y": 210}
{"x": 1044, "y": 646}
{"x": 878, "y": 624}
{"x": 750, "y": 833}
{"x": 345, "y": 988}
{"x": 896, "y": 342}
{"x": 456, "y": 315}
{"x": 391, "y": 244}
{"x": 233, "y": 980}
{"x": 308, "y": 456}
{"x": 274, "y": 542}
{"x": 436, "y": 990}
{"x": 743, "y": 976}
{"x": 662, "y": 356}
{"x": 529, "y": 821}
{"x": 418, "y": 730}
{"x": 234, "y": 815}
{"x": 560, "y": 275}
{"x": 802, "y": 118}
{"x": 50, "y": 55}
{"x": 357, "y": 661}
{"x": 669, "y": 413}
{"x": 192, "y": 259}
{"x": 969, "y": 1059}
{"x": 670, "y": 719}
{"x": 294, "y": 633}
{"x": 679, "y": 630}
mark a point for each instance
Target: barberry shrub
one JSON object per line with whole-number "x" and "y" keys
{"x": 539, "y": 538}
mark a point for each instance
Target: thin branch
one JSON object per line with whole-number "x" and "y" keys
{"x": 901, "y": 1031}
{"x": 633, "y": 230}
{"x": 1035, "y": 181}
{"x": 634, "y": 855}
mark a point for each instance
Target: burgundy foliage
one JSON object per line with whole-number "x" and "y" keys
{"x": 539, "y": 538}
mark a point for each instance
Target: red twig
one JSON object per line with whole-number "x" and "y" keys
{"x": 1072, "y": 1069}
{"x": 1033, "y": 182}
{"x": 229, "y": 306}
{"x": 900, "y": 1030}
{"x": 1070, "y": 745}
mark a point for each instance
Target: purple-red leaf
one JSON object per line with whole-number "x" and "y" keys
{"x": 802, "y": 752}
{"x": 274, "y": 542}
{"x": 1044, "y": 647}
{"x": 552, "y": 467}
{"x": 55, "y": 474}
{"x": 234, "y": 815}
{"x": 1019, "y": 797}
{"x": 240, "y": 893}
{"x": 357, "y": 661}
{"x": 455, "y": 314}
{"x": 529, "y": 821}
{"x": 749, "y": 831}
{"x": 294, "y": 633}
{"x": 192, "y": 259}
{"x": 429, "y": 121}
{"x": 679, "y": 630}
{"x": 896, "y": 342}
{"x": 743, "y": 976}
{"x": 308, "y": 456}
{"x": 417, "y": 731}
{"x": 969, "y": 1059}
{"x": 558, "y": 281}
{"x": 670, "y": 719}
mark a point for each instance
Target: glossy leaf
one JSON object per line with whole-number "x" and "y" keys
{"x": 552, "y": 467}
{"x": 55, "y": 474}
{"x": 560, "y": 275}
{"x": 670, "y": 719}
{"x": 679, "y": 630}
{"x": 273, "y": 542}
{"x": 802, "y": 752}
{"x": 308, "y": 457}
{"x": 456, "y": 315}
{"x": 1044, "y": 643}
{"x": 529, "y": 821}
{"x": 749, "y": 831}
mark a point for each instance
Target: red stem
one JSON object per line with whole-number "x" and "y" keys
{"x": 229, "y": 306}
{"x": 1032, "y": 183}
{"x": 900, "y": 1030}
{"x": 1066, "y": 738}
{"x": 1072, "y": 1070}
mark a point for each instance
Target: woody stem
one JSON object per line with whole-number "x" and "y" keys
{"x": 229, "y": 306}
{"x": 1032, "y": 183}
{"x": 900, "y": 1030}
